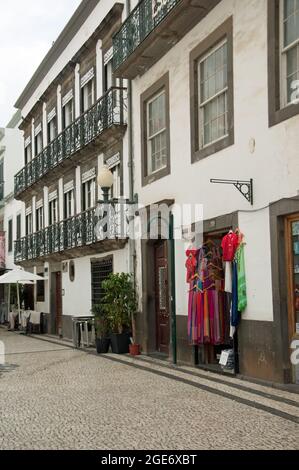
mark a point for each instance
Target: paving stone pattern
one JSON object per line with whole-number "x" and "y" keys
{"x": 55, "y": 397}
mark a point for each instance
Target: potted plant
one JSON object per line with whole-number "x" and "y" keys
{"x": 101, "y": 328}
{"x": 119, "y": 302}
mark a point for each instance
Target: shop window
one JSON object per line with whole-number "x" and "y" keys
{"x": 211, "y": 86}
{"x": 155, "y": 131}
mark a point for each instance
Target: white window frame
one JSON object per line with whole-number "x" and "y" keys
{"x": 150, "y": 172}
{"x": 85, "y": 95}
{"x": 70, "y": 102}
{"x": 38, "y": 136}
{"x": 27, "y": 147}
{"x": 201, "y": 105}
{"x": 116, "y": 187}
{"x": 85, "y": 191}
{"x": 53, "y": 210}
{"x": 28, "y": 227}
{"x": 39, "y": 214}
{"x": 69, "y": 211}
{"x": 283, "y": 59}
{"x": 50, "y": 124}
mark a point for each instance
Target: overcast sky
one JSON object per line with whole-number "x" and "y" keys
{"x": 27, "y": 31}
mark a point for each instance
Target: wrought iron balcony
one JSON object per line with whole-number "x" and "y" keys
{"x": 107, "y": 112}
{"x": 140, "y": 23}
{"x": 152, "y": 28}
{"x": 66, "y": 237}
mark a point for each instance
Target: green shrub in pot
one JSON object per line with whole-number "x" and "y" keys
{"x": 119, "y": 303}
{"x": 101, "y": 328}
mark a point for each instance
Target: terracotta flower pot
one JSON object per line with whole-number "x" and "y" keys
{"x": 134, "y": 349}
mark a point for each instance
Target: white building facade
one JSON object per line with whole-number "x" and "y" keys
{"x": 74, "y": 120}
{"x": 215, "y": 96}
{"x": 11, "y": 211}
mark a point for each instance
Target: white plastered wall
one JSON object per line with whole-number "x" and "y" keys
{"x": 274, "y": 165}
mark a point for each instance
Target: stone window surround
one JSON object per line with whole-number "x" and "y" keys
{"x": 159, "y": 85}
{"x": 223, "y": 31}
{"x": 276, "y": 113}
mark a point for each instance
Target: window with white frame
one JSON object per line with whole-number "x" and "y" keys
{"x": 213, "y": 87}
{"x": 87, "y": 94}
{"x": 28, "y": 223}
{"x": 156, "y": 133}
{"x": 108, "y": 70}
{"x": 289, "y": 14}
{"x": 69, "y": 208}
{"x": 88, "y": 194}
{"x": 116, "y": 189}
{"x": 68, "y": 113}
{"x": 38, "y": 143}
{"x": 53, "y": 211}
{"x": 28, "y": 153}
{"x": 39, "y": 218}
{"x": 19, "y": 226}
{"x": 52, "y": 128}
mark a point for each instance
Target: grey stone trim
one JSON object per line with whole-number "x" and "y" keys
{"x": 224, "y": 31}
{"x": 159, "y": 85}
{"x": 276, "y": 113}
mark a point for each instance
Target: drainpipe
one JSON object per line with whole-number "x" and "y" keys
{"x": 130, "y": 127}
{"x": 172, "y": 289}
{"x": 132, "y": 244}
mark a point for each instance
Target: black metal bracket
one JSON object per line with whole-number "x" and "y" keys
{"x": 244, "y": 187}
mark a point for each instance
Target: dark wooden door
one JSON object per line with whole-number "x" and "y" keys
{"x": 162, "y": 298}
{"x": 58, "y": 303}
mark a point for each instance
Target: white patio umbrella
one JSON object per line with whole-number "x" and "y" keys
{"x": 19, "y": 276}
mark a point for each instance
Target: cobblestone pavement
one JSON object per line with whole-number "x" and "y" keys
{"x": 55, "y": 397}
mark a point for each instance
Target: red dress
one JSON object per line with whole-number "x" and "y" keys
{"x": 229, "y": 246}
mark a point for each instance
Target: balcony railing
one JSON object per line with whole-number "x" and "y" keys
{"x": 108, "y": 111}
{"x": 75, "y": 232}
{"x": 145, "y": 17}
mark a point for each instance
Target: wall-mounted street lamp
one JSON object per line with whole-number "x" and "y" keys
{"x": 105, "y": 180}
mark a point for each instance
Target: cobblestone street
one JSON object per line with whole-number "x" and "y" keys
{"x": 55, "y": 397}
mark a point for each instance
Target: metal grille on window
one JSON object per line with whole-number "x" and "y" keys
{"x": 100, "y": 270}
